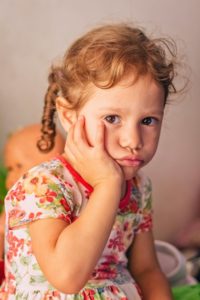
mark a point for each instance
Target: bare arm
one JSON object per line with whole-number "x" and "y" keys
{"x": 68, "y": 254}
{"x": 145, "y": 269}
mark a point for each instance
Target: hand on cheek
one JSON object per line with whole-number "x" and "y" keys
{"x": 92, "y": 162}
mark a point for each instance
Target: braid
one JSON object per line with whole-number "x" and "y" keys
{"x": 47, "y": 140}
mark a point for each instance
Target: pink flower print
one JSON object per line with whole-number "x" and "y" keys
{"x": 15, "y": 246}
{"x": 112, "y": 258}
{"x": 29, "y": 245}
{"x": 126, "y": 226}
{"x": 146, "y": 224}
{"x": 68, "y": 184}
{"x": 65, "y": 204}
{"x": 35, "y": 185}
{"x": 16, "y": 213}
{"x": 117, "y": 242}
{"x": 52, "y": 295}
{"x": 114, "y": 289}
{"x": 11, "y": 288}
{"x": 10, "y": 276}
{"x": 134, "y": 206}
{"x": 88, "y": 294}
{"x": 105, "y": 271}
{"x": 16, "y": 194}
{"x": 14, "y": 216}
{"x": 66, "y": 218}
{"x": 34, "y": 180}
{"x": 32, "y": 216}
{"x": 49, "y": 196}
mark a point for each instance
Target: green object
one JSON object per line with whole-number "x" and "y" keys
{"x": 188, "y": 292}
{"x": 3, "y": 190}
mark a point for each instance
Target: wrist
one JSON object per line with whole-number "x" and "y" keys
{"x": 111, "y": 182}
{"x": 109, "y": 189}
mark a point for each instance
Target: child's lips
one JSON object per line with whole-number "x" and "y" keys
{"x": 130, "y": 161}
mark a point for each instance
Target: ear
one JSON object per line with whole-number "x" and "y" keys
{"x": 66, "y": 116}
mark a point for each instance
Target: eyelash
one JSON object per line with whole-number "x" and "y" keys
{"x": 110, "y": 118}
{"x": 149, "y": 121}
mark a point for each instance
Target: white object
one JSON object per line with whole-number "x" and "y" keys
{"x": 173, "y": 264}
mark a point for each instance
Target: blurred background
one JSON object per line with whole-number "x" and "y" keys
{"x": 36, "y": 33}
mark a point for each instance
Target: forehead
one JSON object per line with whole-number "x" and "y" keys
{"x": 129, "y": 92}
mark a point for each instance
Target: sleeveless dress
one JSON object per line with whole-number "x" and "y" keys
{"x": 55, "y": 190}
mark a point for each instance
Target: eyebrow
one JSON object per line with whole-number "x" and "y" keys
{"x": 156, "y": 112}
{"x": 119, "y": 110}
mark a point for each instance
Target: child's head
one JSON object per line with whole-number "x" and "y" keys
{"x": 21, "y": 153}
{"x": 102, "y": 59}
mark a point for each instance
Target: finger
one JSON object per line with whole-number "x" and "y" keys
{"x": 80, "y": 137}
{"x": 78, "y": 129}
{"x": 75, "y": 139}
{"x": 100, "y": 136}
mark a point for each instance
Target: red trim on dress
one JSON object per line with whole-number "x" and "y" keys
{"x": 75, "y": 174}
{"x": 123, "y": 202}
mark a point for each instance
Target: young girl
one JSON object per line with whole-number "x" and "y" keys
{"x": 80, "y": 226}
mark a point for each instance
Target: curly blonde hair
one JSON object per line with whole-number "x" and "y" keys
{"x": 102, "y": 57}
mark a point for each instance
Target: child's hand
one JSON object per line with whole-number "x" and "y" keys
{"x": 92, "y": 162}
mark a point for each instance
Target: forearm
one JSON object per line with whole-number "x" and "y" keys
{"x": 80, "y": 245}
{"x": 154, "y": 285}
{"x": 93, "y": 225}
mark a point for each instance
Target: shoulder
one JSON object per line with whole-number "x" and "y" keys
{"x": 44, "y": 174}
{"x": 40, "y": 193}
{"x": 52, "y": 167}
{"x": 40, "y": 179}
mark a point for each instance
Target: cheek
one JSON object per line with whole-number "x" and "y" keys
{"x": 152, "y": 136}
{"x": 153, "y": 143}
{"x": 110, "y": 140}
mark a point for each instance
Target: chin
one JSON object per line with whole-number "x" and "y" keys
{"x": 129, "y": 172}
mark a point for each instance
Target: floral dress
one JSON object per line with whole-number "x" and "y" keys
{"x": 55, "y": 190}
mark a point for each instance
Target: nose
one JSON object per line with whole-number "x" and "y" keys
{"x": 132, "y": 138}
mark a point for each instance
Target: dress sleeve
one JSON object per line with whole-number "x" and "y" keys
{"x": 38, "y": 195}
{"x": 145, "y": 205}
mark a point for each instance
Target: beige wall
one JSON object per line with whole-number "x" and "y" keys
{"x": 35, "y": 32}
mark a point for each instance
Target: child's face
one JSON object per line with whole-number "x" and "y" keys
{"x": 132, "y": 115}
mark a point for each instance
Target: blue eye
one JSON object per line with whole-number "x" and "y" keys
{"x": 113, "y": 119}
{"x": 148, "y": 121}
